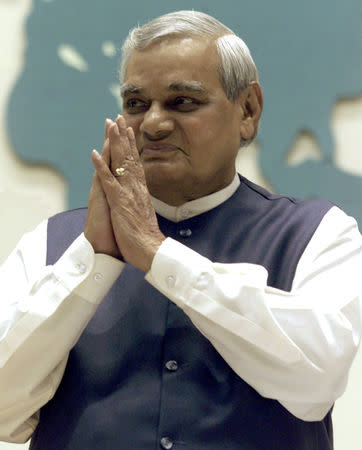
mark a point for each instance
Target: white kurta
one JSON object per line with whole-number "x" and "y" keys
{"x": 295, "y": 347}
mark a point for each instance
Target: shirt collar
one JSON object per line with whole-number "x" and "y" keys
{"x": 195, "y": 207}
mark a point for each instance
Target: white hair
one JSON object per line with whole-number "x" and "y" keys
{"x": 236, "y": 69}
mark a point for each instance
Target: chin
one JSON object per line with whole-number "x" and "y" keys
{"x": 160, "y": 179}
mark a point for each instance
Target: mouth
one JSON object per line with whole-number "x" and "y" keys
{"x": 159, "y": 150}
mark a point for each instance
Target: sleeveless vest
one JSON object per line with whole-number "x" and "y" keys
{"x": 143, "y": 377}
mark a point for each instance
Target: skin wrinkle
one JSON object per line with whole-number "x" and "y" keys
{"x": 186, "y": 135}
{"x": 208, "y": 137}
{"x": 178, "y": 86}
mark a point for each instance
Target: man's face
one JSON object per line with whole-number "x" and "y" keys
{"x": 187, "y": 131}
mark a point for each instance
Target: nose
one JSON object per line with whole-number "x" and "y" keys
{"x": 156, "y": 123}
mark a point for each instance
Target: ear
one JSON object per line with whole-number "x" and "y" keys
{"x": 251, "y": 103}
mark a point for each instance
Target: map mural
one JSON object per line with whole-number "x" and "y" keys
{"x": 308, "y": 55}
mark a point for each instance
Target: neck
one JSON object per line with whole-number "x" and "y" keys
{"x": 174, "y": 195}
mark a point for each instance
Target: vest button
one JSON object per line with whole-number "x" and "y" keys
{"x": 171, "y": 365}
{"x": 185, "y": 233}
{"x": 166, "y": 443}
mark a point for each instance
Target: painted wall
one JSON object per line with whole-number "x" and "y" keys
{"x": 58, "y": 78}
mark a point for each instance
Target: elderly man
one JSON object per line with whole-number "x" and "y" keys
{"x": 241, "y": 334}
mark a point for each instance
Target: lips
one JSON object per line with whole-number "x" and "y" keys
{"x": 158, "y": 151}
{"x": 158, "y": 147}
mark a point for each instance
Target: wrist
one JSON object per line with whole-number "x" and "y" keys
{"x": 150, "y": 253}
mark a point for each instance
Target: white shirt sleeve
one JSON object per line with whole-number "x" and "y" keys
{"x": 43, "y": 311}
{"x": 295, "y": 347}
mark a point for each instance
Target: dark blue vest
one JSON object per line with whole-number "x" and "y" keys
{"x": 143, "y": 377}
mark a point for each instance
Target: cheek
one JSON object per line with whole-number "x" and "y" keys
{"x": 132, "y": 121}
{"x": 211, "y": 133}
{"x": 200, "y": 130}
{"x": 217, "y": 140}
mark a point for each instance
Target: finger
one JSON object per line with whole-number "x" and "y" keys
{"x": 122, "y": 128}
{"x": 96, "y": 189}
{"x": 134, "y": 155}
{"x": 108, "y": 182}
{"x": 107, "y": 125}
{"x": 106, "y": 155}
{"x": 98, "y": 162}
{"x": 117, "y": 144}
{"x": 121, "y": 124}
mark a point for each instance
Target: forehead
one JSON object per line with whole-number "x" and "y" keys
{"x": 172, "y": 62}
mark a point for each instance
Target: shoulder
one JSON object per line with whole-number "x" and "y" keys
{"x": 310, "y": 210}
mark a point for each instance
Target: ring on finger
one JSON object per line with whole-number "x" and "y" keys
{"x": 119, "y": 172}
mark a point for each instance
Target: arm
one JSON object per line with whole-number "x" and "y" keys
{"x": 43, "y": 311}
{"x": 294, "y": 347}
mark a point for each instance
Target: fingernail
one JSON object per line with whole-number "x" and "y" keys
{"x": 116, "y": 130}
{"x": 121, "y": 121}
{"x": 108, "y": 122}
{"x": 94, "y": 151}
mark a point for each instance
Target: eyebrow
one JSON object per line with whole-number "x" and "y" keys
{"x": 192, "y": 86}
{"x": 178, "y": 86}
{"x": 128, "y": 89}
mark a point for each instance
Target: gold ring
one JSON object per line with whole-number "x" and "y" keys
{"x": 120, "y": 171}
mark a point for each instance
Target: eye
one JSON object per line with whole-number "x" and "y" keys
{"x": 135, "y": 105}
{"x": 185, "y": 104}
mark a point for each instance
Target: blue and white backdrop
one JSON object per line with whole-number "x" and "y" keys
{"x": 59, "y": 81}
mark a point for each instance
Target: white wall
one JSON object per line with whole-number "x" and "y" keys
{"x": 30, "y": 194}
